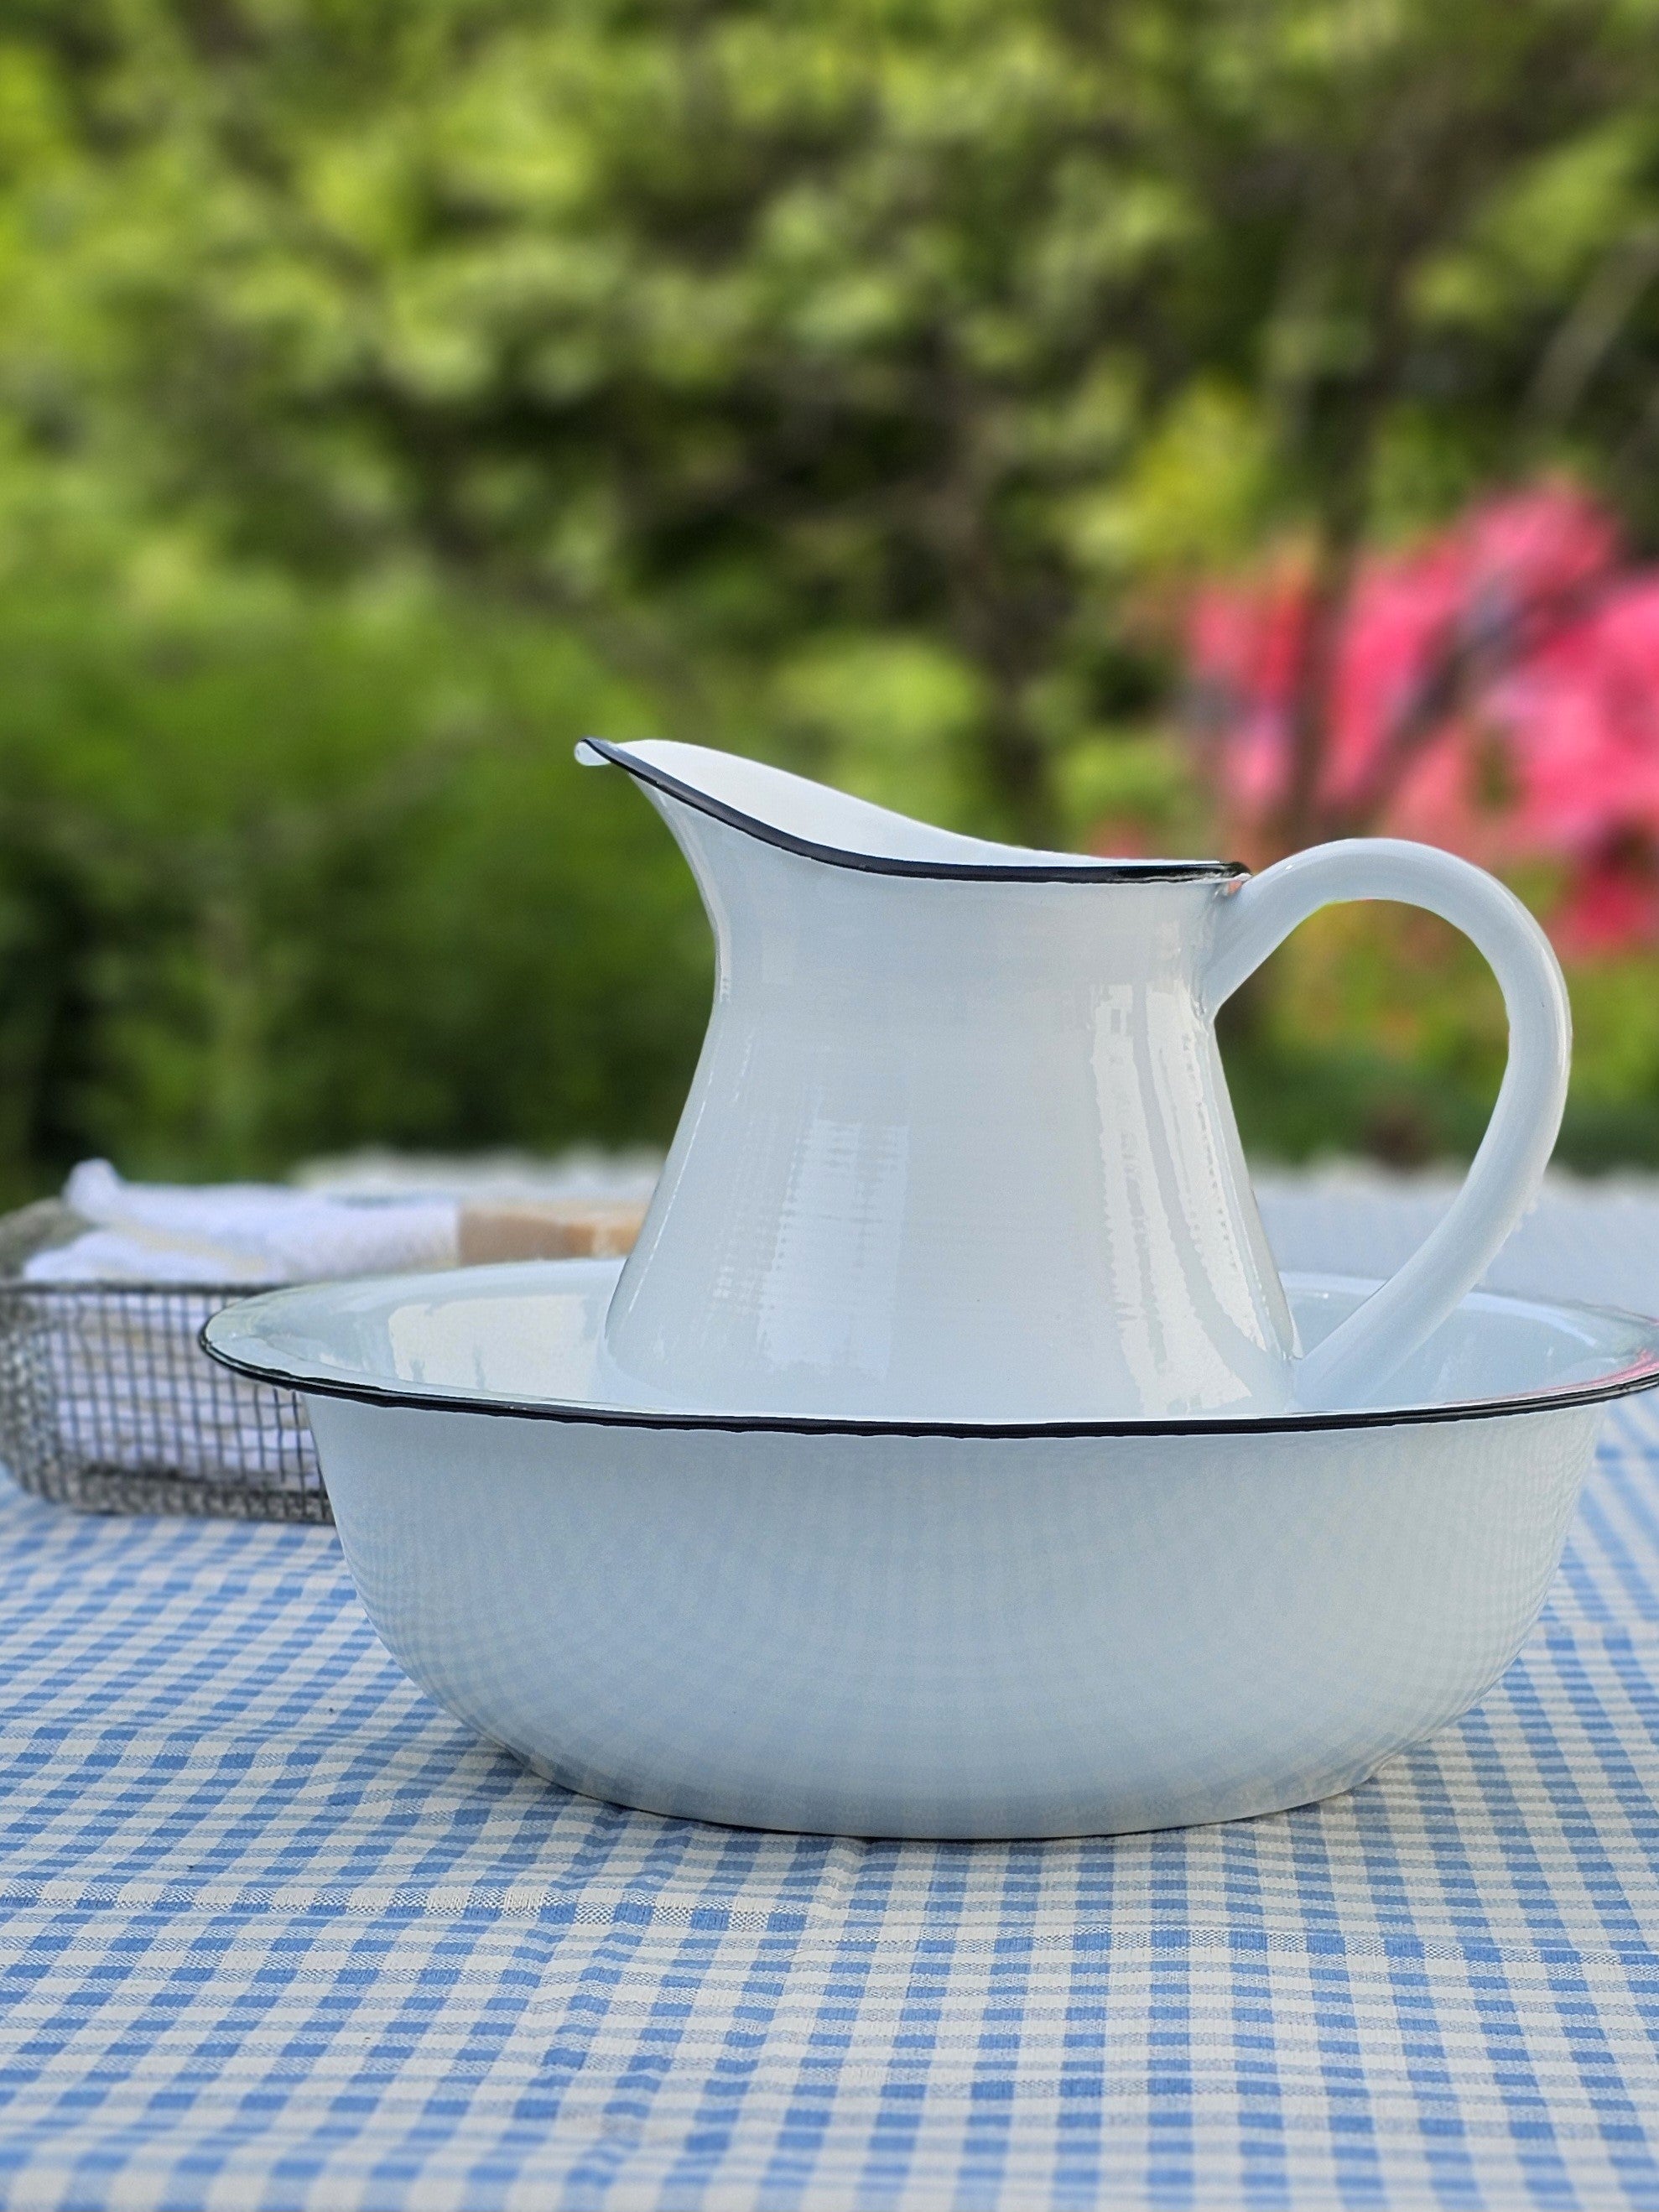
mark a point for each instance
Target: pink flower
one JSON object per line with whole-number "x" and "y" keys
{"x": 1609, "y": 908}
{"x": 1494, "y": 690}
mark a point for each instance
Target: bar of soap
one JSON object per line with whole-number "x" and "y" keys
{"x": 546, "y": 1229}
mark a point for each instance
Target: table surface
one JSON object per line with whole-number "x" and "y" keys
{"x": 277, "y": 1932}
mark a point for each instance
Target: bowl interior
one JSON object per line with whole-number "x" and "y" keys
{"x": 526, "y": 1336}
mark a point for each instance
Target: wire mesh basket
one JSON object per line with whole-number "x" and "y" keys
{"x": 109, "y": 1403}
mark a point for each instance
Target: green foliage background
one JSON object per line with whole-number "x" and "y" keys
{"x": 391, "y": 390}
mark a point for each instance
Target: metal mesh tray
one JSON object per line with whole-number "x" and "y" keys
{"x": 108, "y": 1404}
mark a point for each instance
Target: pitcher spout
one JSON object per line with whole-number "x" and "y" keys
{"x": 819, "y": 823}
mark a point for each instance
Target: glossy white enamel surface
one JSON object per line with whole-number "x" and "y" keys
{"x": 959, "y": 1146}
{"x": 909, "y": 1636}
{"x": 530, "y": 1335}
{"x": 932, "y": 1634}
{"x": 1515, "y": 1151}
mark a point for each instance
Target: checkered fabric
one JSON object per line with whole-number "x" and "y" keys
{"x": 276, "y": 1933}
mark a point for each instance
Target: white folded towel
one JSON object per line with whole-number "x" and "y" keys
{"x": 240, "y": 1233}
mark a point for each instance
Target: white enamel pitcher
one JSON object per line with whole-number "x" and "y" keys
{"x": 959, "y": 1146}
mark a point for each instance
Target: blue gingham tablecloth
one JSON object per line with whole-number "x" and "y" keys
{"x": 277, "y": 1933}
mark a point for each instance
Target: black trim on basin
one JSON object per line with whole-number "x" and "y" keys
{"x": 869, "y": 864}
{"x": 1626, "y": 1384}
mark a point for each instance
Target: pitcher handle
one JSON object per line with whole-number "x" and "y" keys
{"x": 1365, "y": 1350}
